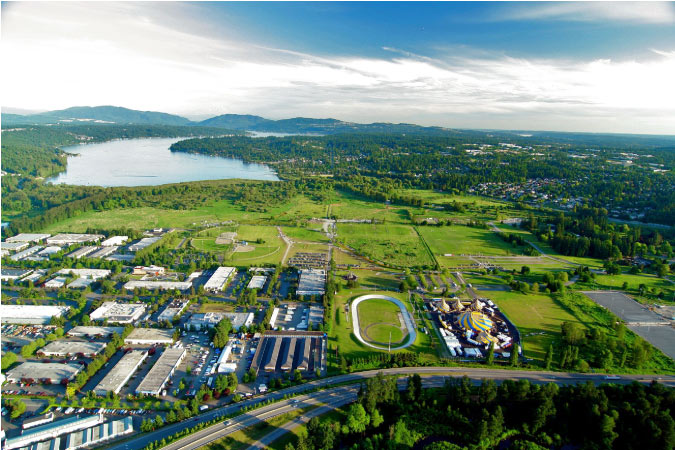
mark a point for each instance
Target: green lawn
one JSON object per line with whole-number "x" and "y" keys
{"x": 305, "y": 234}
{"x": 532, "y": 314}
{"x": 378, "y": 318}
{"x": 463, "y": 240}
{"x": 396, "y": 245}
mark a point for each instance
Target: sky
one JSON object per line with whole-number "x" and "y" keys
{"x": 591, "y": 66}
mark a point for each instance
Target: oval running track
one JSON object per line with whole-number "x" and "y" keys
{"x": 412, "y": 334}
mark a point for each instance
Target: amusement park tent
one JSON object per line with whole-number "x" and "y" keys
{"x": 485, "y": 338}
{"x": 471, "y": 320}
{"x": 458, "y": 305}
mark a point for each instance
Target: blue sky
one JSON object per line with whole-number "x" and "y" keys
{"x": 604, "y": 67}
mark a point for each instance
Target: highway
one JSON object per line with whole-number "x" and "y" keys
{"x": 340, "y": 394}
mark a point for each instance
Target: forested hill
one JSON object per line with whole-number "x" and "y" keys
{"x": 102, "y": 114}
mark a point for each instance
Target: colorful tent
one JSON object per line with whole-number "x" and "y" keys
{"x": 444, "y": 306}
{"x": 458, "y": 305}
{"x": 471, "y": 320}
{"x": 485, "y": 338}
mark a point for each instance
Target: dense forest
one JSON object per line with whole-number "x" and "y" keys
{"x": 515, "y": 415}
{"x": 383, "y": 163}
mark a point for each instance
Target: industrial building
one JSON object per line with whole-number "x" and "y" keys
{"x": 28, "y": 237}
{"x": 93, "y": 274}
{"x": 114, "y": 241}
{"x": 14, "y": 246}
{"x": 31, "y": 314}
{"x": 143, "y": 243}
{"x": 173, "y": 309}
{"x": 35, "y": 276}
{"x": 257, "y": 282}
{"x": 94, "y": 331}
{"x": 37, "y": 421}
{"x": 121, "y": 373}
{"x": 149, "y": 270}
{"x": 161, "y": 372}
{"x": 222, "y": 366}
{"x": 82, "y": 252}
{"x": 150, "y": 336}
{"x": 285, "y": 351}
{"x": 70, "y": 347}
{"x": 50, "y": 250}
{"x": 52, "y": 430}
{"x": 100, "y": 433}
{"x": 54, "y": 373}
{"x": 55, "y": 283}
{"x": 103, "y": 252}
{"x": 161, "y": 285}
{"x": 219, "y": 279}
{"x": 201, "y": 321}
{"x": 25, "y": 253}
{"x": 312, "y": 282}
{"x": 119, "y": 312}
{"x": 80, "y": 283}
{"x": 70, "y": 239}
{"x": 7, "y": 274}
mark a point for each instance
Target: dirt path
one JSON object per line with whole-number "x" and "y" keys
{"x": 288, "y": 243}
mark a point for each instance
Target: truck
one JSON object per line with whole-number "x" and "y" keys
{"x": 204, "y": 407}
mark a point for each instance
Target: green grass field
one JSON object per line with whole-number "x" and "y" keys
{"x": 305, "y": 234}
{"x": 378, "y": 318}
{"x": 533, "y": 314}
{"x": 463, "y": 240}
{"x": 397, "y": 245}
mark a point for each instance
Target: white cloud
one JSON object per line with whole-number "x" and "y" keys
{"x": 637, "y": 12}
{"x": 136, "y": 56}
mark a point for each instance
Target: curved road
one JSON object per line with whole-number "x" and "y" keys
{"x": 412, "y": 335}
{"x": 337, "y": 394}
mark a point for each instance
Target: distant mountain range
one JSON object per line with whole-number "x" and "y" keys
{"x": 302, "y": 125}
{"x": 118, "y": 115}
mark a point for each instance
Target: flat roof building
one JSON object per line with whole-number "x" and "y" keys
{"x": 39, "y": 371}
{"x": 35, "y": 276}
{"x": 95, "y": 331}
{"x": 28, "y": 237}
{"x": 103, "y": 252}
{"x": 82, "y": 252}
{"x": 219, "y": 279}
{"x": 71, "y": 238}
{"x": 37, "y": 421}
{"x": 7, "y": 274}
{"x": 143, "y": 243}
{"x": 80, "y": 283}
{"x": 161, "y": 285}
{"x": 14, "y": 246}
{"x": 52, "y": 430}
{"x": 150, "y": 336}
{"x": 114, "y": 241}
{"x": 161, "y": 372}
{"x": 93, "y": 274}
{"x": 148, "y": 270}
{"x": 70, "y": 347}
{"x": 257, "y": 282}
{"x": 120, "y": 374}
{"x": 22, "y": 254}
{"x": 119, "y": 312}
{"x": 50, "y": 250}
{"x": 173, "y": 309}
{"x": 31, "y": 314}
{"x": 312, "y": 282}
{"x": 99, "y": 434}
{"x": 201, "y": 321}
{"x": 55, "y": 283}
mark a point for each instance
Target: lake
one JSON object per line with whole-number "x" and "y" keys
{"x": 147, "y": 162}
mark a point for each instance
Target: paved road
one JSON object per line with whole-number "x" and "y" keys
{"x": 554, "y": 258}
{"x": 269, "y": 411}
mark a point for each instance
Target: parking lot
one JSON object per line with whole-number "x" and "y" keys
{"x": 625, "y": 307}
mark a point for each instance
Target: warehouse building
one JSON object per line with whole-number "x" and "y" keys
{"x": 55, "y": 283}
{"x": 114, "y": 241}
{"x": 37, "y": 421}
{"x": 150, "y": 336}
{"x": 119, "y": 312}
{"x": 161, "y": 372}
{"x": 25, "y": 253}
{"x": 175, "y": 308}
{"x": 93, "y": 274}
{"x": 219, "y": 279}
{"x": 69, "y": 347}
{"x": 312, "y": 282}
{"x": 35, "y": 276}
{"x": 257, "y": 282}
{"x": 143, "y": 243}
{"x": 70, "y": 239}
{"x": 52, "y": 431}
{"x": 82, "y": 252}
{"x": 149, "y": 270}
{"x": 99, "y": 434}
{"x": 31, "y": 314}
{"x": 28, "y": 237}
{"x": 121, "y": 373}
{"x": 14, "y": 246}
{"x": 103, "y": 252}
{"x": 81, "y": 331}
{"x": 80, "y": 283}
{"x": 200, "y": 321}
{"x": 285, "y": 351}
{"x": 53, "y": 373}
{"x": 161, "y": 285}
{"x": 50, "y": 250}
{"x": 7, "y": 274}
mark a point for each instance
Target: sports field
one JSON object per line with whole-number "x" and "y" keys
{"x": 377, "y": 319}
{"x": 397, "y": 245}
{"x": 463, "y": 240}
